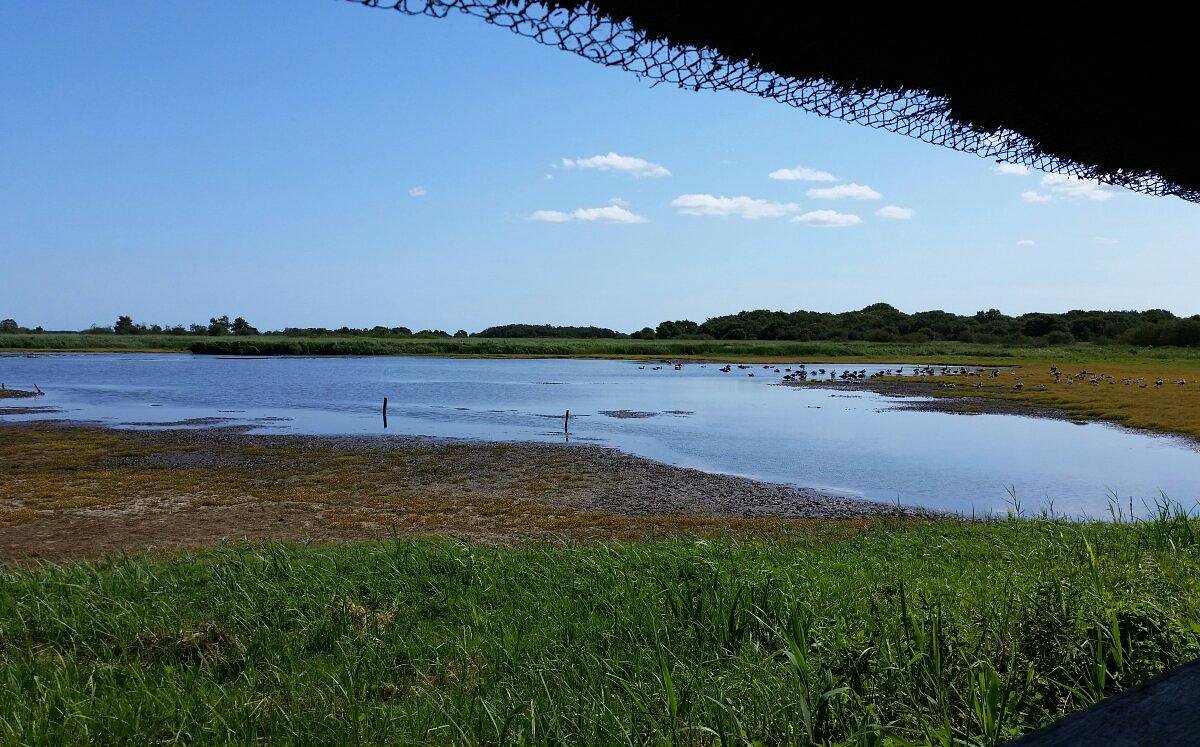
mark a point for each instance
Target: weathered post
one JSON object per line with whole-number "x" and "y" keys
{"x": 566, "y": 423}
{"x": 385, "y": 412}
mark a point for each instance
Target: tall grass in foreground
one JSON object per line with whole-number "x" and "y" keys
{"x": 940, "y": 632}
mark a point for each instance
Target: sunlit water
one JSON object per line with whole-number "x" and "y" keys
{"x": 849, "y": 442}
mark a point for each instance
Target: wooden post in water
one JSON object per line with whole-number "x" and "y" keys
{"x": 566, "y": 423}
{"x": 385, "y": 412}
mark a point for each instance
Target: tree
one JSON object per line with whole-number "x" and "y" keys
{"x": 242, "y": 327}
{"x": 461, "y": 333}
{"x": 219, "y": 325}
{"x": 1040, "y": 325}
{"x": 9, "y": 325}
{"x": 677, "y": 328}
{"x": 124, "y": 326}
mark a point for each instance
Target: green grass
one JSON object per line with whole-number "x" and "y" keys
{"x": 54, "y": 341}
{"x": 900, "y": 634}
{"x": 956, "y": 352}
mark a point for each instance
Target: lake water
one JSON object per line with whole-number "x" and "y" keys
{"x": 856, "y": 443}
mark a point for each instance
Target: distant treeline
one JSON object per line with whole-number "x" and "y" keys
{"x": 883, "y": 323}
{"x": 221, "y": 326}
{"x": 876, "y": 323}
{"x": 511, "y": 331}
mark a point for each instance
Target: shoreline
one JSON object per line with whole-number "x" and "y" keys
{"x": 79, "y": 490}
{"x": 933, "y": 399}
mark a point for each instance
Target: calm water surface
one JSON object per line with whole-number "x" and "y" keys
{"x": 850, "y": 442}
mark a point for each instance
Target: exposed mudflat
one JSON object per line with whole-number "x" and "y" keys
{"x": 16, "y": 394}
{"x": 84, "y": 491}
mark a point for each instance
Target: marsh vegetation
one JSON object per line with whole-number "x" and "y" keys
{"x": 939, "y": 632}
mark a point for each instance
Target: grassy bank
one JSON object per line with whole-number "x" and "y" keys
{"x": 1124, "y": 391}
{"x": 72, "y": 342}
{"x": 897, "y": 634}
{"x": 733, "y": 350}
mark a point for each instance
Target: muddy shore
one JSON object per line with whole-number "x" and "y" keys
{"x": 75, "y": 490}
{"x": 924, "y": 396}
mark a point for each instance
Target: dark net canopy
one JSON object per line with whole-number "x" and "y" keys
{"x": 1079, "y": 88}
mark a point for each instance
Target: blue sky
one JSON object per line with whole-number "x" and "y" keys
{"x": 325, "y": 164}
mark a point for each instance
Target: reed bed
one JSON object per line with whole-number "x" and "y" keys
{"x": 732, "y": 350}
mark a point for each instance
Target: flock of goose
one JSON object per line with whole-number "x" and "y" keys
{"x": 802, "y": 373}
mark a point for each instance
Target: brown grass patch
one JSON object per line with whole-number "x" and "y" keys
{"x": 69, "y": 491}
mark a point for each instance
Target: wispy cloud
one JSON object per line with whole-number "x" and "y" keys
{"x": 638, "y": 167}
{"x": 1031, "y": 196}
{"x": 607, "y": 214}
{"x": 850, "y": 191}
{"x": 895, "y": 212}
{"x": 417, "y": 191}
{"x": 742, "y": 206}
{"x": 802, "y": 174}
{"x": 1072, "y": 186}
{"x": 1011, "y": 169}
{"x": 1026, "y": 242}
{"x": 1105, "y": 240}
{"x": 827, "y": 219}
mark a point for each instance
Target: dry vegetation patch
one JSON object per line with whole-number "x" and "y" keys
{"x": 80, "y": 491}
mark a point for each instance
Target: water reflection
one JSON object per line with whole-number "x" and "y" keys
{"x": 697, "y": 416}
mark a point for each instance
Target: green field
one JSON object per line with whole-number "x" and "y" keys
{"x": 888, "y": 634}
{"x": 956, "y": 352}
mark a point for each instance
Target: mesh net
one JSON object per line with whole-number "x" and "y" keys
{"x": 912, "y": 113}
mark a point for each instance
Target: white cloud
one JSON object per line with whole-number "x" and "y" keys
{"x": 1034, "y": 197}
{"x": 827, "y": 219}
{"x": 1012, "y": 169}
{"x": 607, "y": 214}
{"x": 417, "y": 191}
{"x": 895, "y": 212}
{"x": 610, "y": 161}
{"x": 845, "y": 192}
{"x": 1105, "y": 240}
{"x": 802, "y": 174}
{"x": 1026, "y": 242}
{"x": 745, "y": 207}
{"x": 1072, "y": 186}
